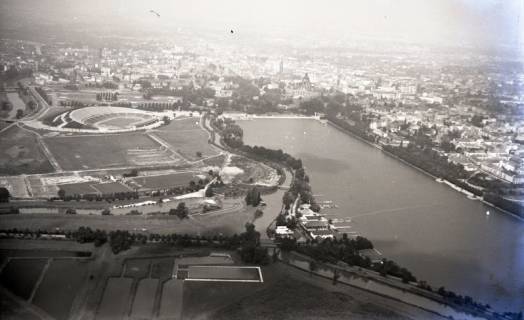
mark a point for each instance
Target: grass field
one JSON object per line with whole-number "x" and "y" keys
{"x": 58, "y": 289}
{"x": 187, "y": 138}
{"x": 164, "y": 181}
{"x": 93, "y": 187}
{"x": 111, "y": 187}
{"x": 184, "y": 124}
{"x": 227, "y": 223}
{"x": 223, "y": 273}
{"x": 20, "y": 153}
{"x": 288, "y": 295}
{"x": 11, "y": 309}
{"x": 162, "y": 268}
{"x": 120, "y": 122}
{"x": 115, "y": 299}
{"x": 78, "y": 188}
{"x": 20, "y": 276}
{"x": 137, "y": 268}
{"x": 172, "y": 300}
{"x": 144, "y": 302}
{"x": 100, "y": 151}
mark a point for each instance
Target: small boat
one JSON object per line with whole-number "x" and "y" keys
{"x": 439, "y": 180}
{"x": 487, "y": 213}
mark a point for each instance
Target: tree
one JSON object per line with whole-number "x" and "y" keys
{"x": 312, "y": 267}
{"x": 70, "y": 211}
{"x": 31, "y": 105}
{"x": 7, "y": 106}
{"x": 106, "y": 212}
{"x": 258, "y": 213}
{"x": 199, "y": 154}
{"x": 19, "y": 113}
{"x": 250, "y": 250}
{"x": 4, "y": 194}
{"x": 336, "y": 275}
{"x": 253, "y": 197}
{"x": 61, "y": 193}
{"x": 209, "y": 192}
{"x": 166, "y": 120}
{"x": 119, "y": 241}
{"x": 181, "y": 211}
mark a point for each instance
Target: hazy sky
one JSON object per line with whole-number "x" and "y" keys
{"x": 450, "y": 21}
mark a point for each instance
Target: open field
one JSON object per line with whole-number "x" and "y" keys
{"x": 143, "y": 305}
{"x": 137, "y": 268}
{"x": 188, "y": 143}
{"x": 162, "y": 268}
{"x": 187, "y": 138}
{"x": 104, "y": 151}
{"x": 121, "y": 122}
{"x": 84, "y": 95}
{"x": 229, "y": 222}
{"x": 290, "y": 294}
{"x": 41, "y": 189}
{"x": 78, "y": 188}
{"x": 16, "y": 185}
{"x": 20, "y": 275}
{"x": 253, "y": 172}
{"x": 20, "y": 153}
{"x": 286, "y": 293}
{"x": 172, "y": 300}
{"x": 111, "y": 187}
{"x": 185, "y": 124}
{"x": 224, "y": 273}
{"x": 12, "y": 307}
{"x": 93, "y": 187}
{"x": 63, "y": 248}
{"x": 17, "y": 103}
{"x": 63, "y": 279}
{"x": 115, "y": 300}
{"x": 164, "y": 181}
{"x": 298, "y": 300}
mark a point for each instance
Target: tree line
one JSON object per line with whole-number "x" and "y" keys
{"x": 247, "y": 243}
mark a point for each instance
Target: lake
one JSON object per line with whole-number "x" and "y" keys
{"x": 436, "y": 232}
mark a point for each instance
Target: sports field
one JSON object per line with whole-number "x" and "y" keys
{"x": 101, "y": 151}
{"x": 224, "y": 273}
{"x": 120, "y": 122}
{"x": 164, "y": 181}
{"x": 93, "y": 187}
{"x": 20, "y": 153}
{"x": 187, "y": 138}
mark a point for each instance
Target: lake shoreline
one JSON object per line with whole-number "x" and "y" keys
{"x": 448, "y": 183}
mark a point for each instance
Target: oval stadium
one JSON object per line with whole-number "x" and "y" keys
{"x": 113, "y": 118}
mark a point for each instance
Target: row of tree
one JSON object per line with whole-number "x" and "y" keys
{"x": 74, "y": 103}
{"x": 107, "y": 96}
{"x": 247, "y": 243}
{"x": 104, "y": 85}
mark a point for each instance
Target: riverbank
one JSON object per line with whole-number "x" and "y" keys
{"x": 447, "y": 182}
{"x": 390, "y": 287}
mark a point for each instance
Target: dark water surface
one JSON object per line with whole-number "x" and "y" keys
{"x": 437, "y": 233}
